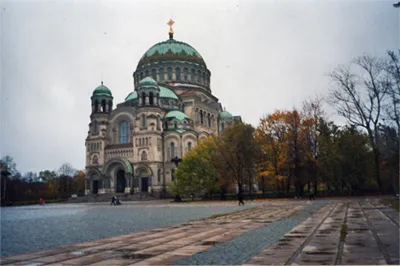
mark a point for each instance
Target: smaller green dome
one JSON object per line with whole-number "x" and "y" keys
{"x": 102, "y": 91}
{"x": 167, "y": 93}
{"x": 225, "y": 115}
{"x": 131, "y": 96}
{"x": 148, "y": 81}
{"x": 177, "y": 114}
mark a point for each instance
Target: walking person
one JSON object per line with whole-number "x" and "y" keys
{"x": 240, "y": 198}
{"x": 312, "y": 196}
{"x": 113, "y": 200}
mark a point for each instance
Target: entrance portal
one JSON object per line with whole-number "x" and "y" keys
{"x": 95, "y": 188}
{"x": 120, "y": 188}
{"x": 145, "y": 184}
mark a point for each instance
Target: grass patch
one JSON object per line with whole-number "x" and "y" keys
{"x": 394, "y": 203}
{"x": 343, "y": 232}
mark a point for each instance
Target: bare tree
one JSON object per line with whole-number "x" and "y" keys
{"x": 66, "y": 170}
{"x": 358, "y": 95}
{"x": 392, "y": 67}
{"x": 393, "y": 106}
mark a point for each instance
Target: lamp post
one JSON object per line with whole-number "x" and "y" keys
{"x": 397, "y": 5}
{"x": 176, "y": 161}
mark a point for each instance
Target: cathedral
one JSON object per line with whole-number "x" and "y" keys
{"x": 137, "y": 146}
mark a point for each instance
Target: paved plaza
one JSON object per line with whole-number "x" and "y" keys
{"x": 350, "y": 231}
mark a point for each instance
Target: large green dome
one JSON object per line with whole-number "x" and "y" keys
{"x": 171, "y": 50}
{"x": 102, "y": 91}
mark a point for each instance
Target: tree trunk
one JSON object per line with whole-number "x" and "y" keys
{"x": 377, "y": 168}
{"x": 289, "y": 180}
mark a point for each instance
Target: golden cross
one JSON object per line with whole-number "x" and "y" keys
{"x": 170, "y": 23}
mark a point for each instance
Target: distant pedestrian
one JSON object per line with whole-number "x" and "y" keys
{"x": 312, "y": 195}
{"x": 41, "y": 201}
{"x": 113, "y": 200}
{"x": 240, "y": 198}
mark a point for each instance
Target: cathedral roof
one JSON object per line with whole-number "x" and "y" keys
{"x": 177, "y": 114}
{"x": 171, "y": 50}
{"x": 102, "y": 91}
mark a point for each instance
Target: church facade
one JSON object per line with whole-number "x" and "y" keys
{"x": 135, "y": 147}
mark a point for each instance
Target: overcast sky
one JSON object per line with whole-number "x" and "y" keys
{"x": 263, "y": 55}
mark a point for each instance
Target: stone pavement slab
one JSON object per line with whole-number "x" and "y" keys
{"x": 352, "y": 232}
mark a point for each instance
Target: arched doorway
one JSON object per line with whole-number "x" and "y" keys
{"x": 95, "y": 186}
{"x": 144, "y": 175}
{"x": 120, "y": 188}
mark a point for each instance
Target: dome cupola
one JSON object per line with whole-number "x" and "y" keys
{"x": 148, "y": 92}
{"x": 102, "y": 99}
{"x": 173, "y": 61}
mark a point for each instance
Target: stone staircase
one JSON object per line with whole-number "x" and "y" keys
{"x": 140, "y": 196}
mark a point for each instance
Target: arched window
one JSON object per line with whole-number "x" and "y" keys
{"x": 154, "y": 74}
{"x": 201, "y": 117}
{"x": 165, "y": 125}
{"x": 173, "y": 175}
{"x": 159, "y": 176}
{"x": 103, "y": 106}
{"x": 222, "y": 126}
{"x": 147, "y": 73}
{"x": 199, "y": 76}
{"x": 110, "y": 106}
{"x": 171, "y": 105}
{"x": 95, "y": 129}
{"x": 96, "y": 106}
{"x": 123, "y": 132}
{"x": 95, "y": 160}
{"x": 143, "y": 120}
{"x": 143, "y": 156}
{"x": 143, "y": 98}
{"x": 175, "y": 124}
{"x": 189, "y": 146}
{"x": 172, "y": 150}
{"x": 185, "y": 74}
{"x": 162, "y": 77}
{"x": 151, "y": 98}
{"x": 140, "y": 142}
{"x": 184, "y": 124}
{"x": 169, "y": 70}
{"x": 192, "y": 75}
{"x": 209, "y": 120}
{"x": 178, "y": 73}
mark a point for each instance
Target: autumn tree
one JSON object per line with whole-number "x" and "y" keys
{"x": 354, "y": 158}
{"x": 313, "y": 113}
{"x": 237, "y": 152}
{"x": 198, "y": 170}
{"x": 271, "y": 135}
